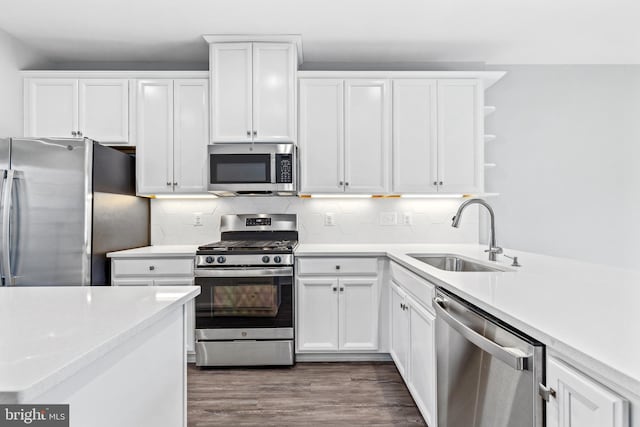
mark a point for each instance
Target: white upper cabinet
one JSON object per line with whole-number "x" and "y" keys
{"x": 253, "y": 92}
{"x": 154, "y": 153}
{"x": 580, "y": 401}
{"x": 415, "y": 161}
{"x": 367, "y": 139}
{"x": 321, "y": 135}
{"x": 437, "y": 136}
{"x": 51, "y": 107}
{"x": 344, "y": 136}
{"x": 191, "y": 133}
{"x": 231, "y": 92}
{"x": 172, "y": 135}
{"x": 104, "y": 109}
{"x": 460, "y": 133}
{"x": 93, "y": 108}
{"x": 274, "y": 92}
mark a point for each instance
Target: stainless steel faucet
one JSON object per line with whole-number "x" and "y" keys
{"x": 494, "y": 249}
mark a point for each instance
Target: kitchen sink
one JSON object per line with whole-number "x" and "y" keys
{"x": 449, "y": 262}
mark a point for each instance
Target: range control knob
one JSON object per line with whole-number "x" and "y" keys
{"x": 208, "y": 259}
{"x": 221, "y": 259}
{"x": 277, "y": 259}
{"x": 265, "y": 259}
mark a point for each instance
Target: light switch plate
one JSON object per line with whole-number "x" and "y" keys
{"x": 329, "y": 219}
{"x": 388, "y": 218}
{"x": 407, "y": 218}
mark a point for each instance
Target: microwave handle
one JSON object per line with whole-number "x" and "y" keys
{"x": 273, "y": 168}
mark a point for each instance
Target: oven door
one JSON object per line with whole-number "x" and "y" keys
{"x": 244, "y": 298}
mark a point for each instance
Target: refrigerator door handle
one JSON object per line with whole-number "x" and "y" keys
{"x": 6, "y": 216}
{"x": 3, "y": 174}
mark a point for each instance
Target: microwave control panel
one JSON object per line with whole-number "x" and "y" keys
{"x": 284, "y": 168}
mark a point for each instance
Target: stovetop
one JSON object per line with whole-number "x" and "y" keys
{"x": 243, "y": 246}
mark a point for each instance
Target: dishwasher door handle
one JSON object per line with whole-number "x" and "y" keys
{"x": 508, "y": 356}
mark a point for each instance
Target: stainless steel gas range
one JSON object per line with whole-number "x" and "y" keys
{"x": 244, "y": 313}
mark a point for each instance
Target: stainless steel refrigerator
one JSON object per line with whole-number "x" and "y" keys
{"x": 64, "y": 204}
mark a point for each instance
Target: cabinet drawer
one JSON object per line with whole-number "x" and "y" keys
{"x": 338, "y": 266}
{"x": 421, "y": 290}
{"x": 153, "y": 267}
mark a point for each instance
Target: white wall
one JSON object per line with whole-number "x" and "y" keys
{"x": 568, "y": 156}
{"x": 14, "y": 56}
{"x": 357, "y": 220}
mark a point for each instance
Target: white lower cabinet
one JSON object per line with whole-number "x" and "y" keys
{"x": 337, "y": 312}
{"x": 165, "y": 271}
{"x": 581, "y": 401}
{"x": 413, "y": 349}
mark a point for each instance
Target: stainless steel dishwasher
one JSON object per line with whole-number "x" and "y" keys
{"x": 488, "y": 373}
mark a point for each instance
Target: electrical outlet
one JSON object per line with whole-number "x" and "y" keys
{"x": 407, "y": 218}
{"x": 329, "y": 219}
{"x": 197, "y": 219}
{"x": 388, "y": 218}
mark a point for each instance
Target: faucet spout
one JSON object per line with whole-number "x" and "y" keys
{"x": 494, "y": 249}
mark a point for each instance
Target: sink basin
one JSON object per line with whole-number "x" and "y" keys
{"x": 448, "y": 262}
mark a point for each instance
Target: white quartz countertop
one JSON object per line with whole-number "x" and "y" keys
{"x": 49, "y": 333}
{"x": 156, "y": 251}
{"x": 589, "y": 313}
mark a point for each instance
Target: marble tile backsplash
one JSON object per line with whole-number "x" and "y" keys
{"x": 356, "y": 220}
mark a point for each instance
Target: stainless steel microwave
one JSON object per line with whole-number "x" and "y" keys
{"x": 240, "y": 169}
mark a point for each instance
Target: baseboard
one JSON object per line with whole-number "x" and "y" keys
{"x": 343, "y": 357}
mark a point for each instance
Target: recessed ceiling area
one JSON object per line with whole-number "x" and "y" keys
{"x": 341, "y": 31}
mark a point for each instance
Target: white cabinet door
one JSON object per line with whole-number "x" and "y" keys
{"x": 581, "y": 401}
{"x": 460, "y": 154}
{"x": 231, "y": 93}
{"x": 358, "y": 313}
{"x": 191, "y": 135}
{"x": 317, "y": 314}
{"x": 415, "y": 155}
{"x": 274, "y": 101}
{"x": 422, "y": 360}
{"x": 321, "y": 136}
{"x": 367, "y": 136}
{"x": 104, "y": 110}
{"x": 154, "y": 156}
{"x": 51, "y": 107}
{"x": 399, "y": 330}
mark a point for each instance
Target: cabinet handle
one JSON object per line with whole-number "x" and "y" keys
{"x": 151, "y": 267}
{"x": 79, "y": 133}
{"x": 175, "y": 184}
{"x": 168, "y": 184}
{"x": 74, "y": 133}
{"x": 255, "y": 133}
{"x": 334, "y": 288}
{"x": 337, "y": 267}
{"x": 341, "y": 288}
{"x": 248, "y": 133}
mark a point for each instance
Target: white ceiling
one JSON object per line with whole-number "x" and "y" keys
{"x": 491, "y": 31}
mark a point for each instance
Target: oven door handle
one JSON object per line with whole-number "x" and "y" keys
{"x": 244, "y": 272}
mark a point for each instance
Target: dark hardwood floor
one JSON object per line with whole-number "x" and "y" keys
{"x": 309, "y": 394}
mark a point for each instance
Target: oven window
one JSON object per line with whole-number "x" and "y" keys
{"x": 252, "y": 302}
{"x": 240, "y": 168}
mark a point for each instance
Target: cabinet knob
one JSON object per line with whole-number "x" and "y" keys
{"x": 175, "y": 184}
{"x": 340, "y": 183}
{"x": 346, "y": 183}
{"x": 337, "y": 267}
{"x": 435, "y": 182}
{"x": 334, "y": 288}
{"x": 168, "y": 184}
{"x": 255, "y": 133}
{"x": 248, "y": 133}
{"x": 440, "y": 183}
{"x": 79, "y": 133}
{"x": 151, "y": 267}
{"x": 341, "y": 288}
{"x": 73, "y": 133}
